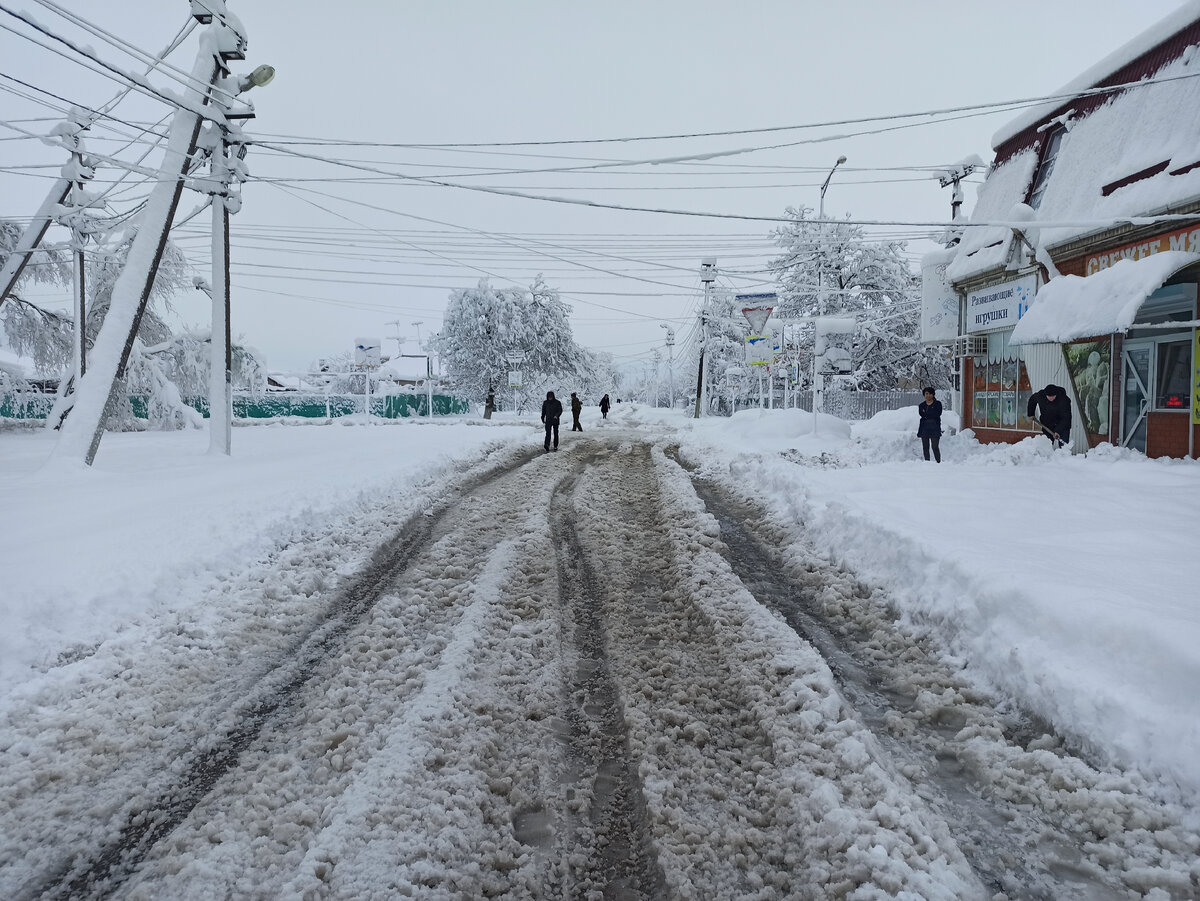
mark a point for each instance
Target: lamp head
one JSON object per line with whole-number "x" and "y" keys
{"x": 841, "y": 159}
{"x": 262, "y": 76}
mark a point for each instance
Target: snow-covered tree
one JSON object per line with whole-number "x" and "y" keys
{"x": 488, "y": 332}
{"x": 833, "y": 269}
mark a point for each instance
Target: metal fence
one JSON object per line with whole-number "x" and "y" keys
{"x": 849, "y": 405}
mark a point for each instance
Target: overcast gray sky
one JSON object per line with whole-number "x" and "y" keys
{"x": 320, "y": 261}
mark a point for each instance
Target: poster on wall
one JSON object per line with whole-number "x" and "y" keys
{"x": 1090, "y": 366}
{"x": 978, "y": 387}
{"x": 1008, "y": 385}
{"x": 1196, "y": 378}
{"x": 1024, "y": 392}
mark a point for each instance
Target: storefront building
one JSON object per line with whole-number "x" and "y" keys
{"x": 1080, "y": 263}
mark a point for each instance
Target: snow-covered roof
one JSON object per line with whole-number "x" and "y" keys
{"x": 1130, "y": 134}
{"x": 1093, "y": 76}
{"x": 1137, "y": 154}
{"x": 1070, "y": 307}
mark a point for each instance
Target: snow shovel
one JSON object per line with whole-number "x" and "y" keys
{"x": 1058, "y": 442}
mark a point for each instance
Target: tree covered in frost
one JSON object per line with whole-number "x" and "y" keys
{"x": 833, "y": 269}
{"x": 488, "y": 332}
{"x": 43, "y": 335}
{"x": 164, "y": 367}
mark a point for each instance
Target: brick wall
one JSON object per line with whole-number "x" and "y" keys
{"x": 1167, "y": 434}
{"x": 1072, "y": 266}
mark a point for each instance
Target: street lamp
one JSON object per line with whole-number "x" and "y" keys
{"x": 818, "y": 394}
{"x": 224, "y": 202}
{"x": 670, "y": 363}
{"x": 825, "y": 186}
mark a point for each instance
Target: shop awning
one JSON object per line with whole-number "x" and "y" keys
{"x": 1070, "y": 307}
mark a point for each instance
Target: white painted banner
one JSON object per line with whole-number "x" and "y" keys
{"x": 1000, "y": 306}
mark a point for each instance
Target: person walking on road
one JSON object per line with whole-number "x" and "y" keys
{"x": 1055, "y": 419}
{"x": 604, "y": 405}
{"x": 576, "y": 409}
{"x": 551, "y": 413}
{"x": 930, "y": 428}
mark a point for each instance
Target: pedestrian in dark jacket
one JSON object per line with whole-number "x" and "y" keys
{"x": 604, "y": 405}
{"x": 551, "y": 413}
{"x": 930, "y": 428}
{"x": 576, "y": 409}
{"x": 1054, "y": 413}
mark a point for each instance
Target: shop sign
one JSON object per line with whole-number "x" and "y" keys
{"x": 939, "y": 303}
{"x": 1000, "y": 306}
{"x": 1181, "y": 239}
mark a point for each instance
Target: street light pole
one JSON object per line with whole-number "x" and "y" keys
{"x": 224, "y": 202}
{"x": 708, "y": 275}
{"x": 818, "y": 389}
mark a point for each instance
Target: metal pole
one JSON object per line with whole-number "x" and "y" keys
{"x": 429, "y": 383}
{"x": 79, "y": 289}
{"x": 671, "y": 371}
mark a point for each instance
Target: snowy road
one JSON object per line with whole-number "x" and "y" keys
{"x": 578, "y": 675}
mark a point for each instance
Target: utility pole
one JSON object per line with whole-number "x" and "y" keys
{"x": 98, "y": 389}
{"x": 953, "y": 176}
{"x": 817, "y": 376}
{"x": 708, "y": 275}
{"x": 670, "y": 363}
{"x": 226, "y": 200}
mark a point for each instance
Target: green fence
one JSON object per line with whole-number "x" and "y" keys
{"x": 270, "y": 406}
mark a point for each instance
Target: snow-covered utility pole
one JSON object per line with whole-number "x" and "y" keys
{"x": 74, "y": 216}
{"x": 954, "y": 176}
{"x": 708, "y": 275}
{"x": 818, "y": 385}
{"x": 81, "y": 432}
{"x": 670, "y": 364}
{"x": 227, "y": 173}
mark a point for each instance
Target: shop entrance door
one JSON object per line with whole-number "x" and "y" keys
{"x": 1135, "y": 400}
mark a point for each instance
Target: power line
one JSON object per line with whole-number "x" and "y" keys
{"x": 995, "y": 106}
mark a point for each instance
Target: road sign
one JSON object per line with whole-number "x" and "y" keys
{"x": 366, "y": 351}
{"x": 760, "y": 350}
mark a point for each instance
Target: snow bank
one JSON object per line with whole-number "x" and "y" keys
{"x": 1064, "y": 580}
{"x": 87, "y": 553}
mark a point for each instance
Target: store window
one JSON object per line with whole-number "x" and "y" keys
{"x": 1000, "y": 389}
{"x": 1054, "y": 139}
{"x": 1173, "y": 377}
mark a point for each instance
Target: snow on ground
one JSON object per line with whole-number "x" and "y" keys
{"x": 88, "y": 553}
{"x": 143, "y": 596}
{"x": 1067, "y": 582}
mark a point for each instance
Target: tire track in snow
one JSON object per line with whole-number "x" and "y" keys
{"x": 604, "y": 841}
{"x": 937, "y": 729}
{"x": 100, "y": 872}
{"x": 716, "y": 813}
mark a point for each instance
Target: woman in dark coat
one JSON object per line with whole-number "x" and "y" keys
{"x": 604, "y": 406}
{"x": 930, "y": 429}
